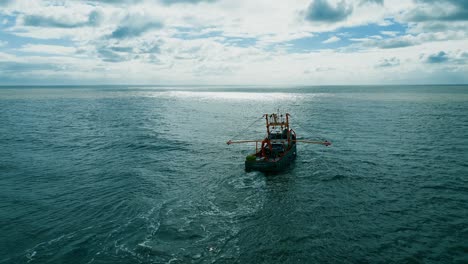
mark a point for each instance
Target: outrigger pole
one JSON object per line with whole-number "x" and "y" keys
{"x": 325, "y": 143}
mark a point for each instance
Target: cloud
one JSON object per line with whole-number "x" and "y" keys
{"x": 439, "y": 10}
{"x": 389, "y": 33}
{"x": 93, "y": 19}
{"x": 18, "y": 67}
{"x": 438, "y": 57}
{"x": 409, "y": 40}
{"x": 331, "y": 40}
{"x": 319, "y": 69}
{"x": 170, "y": 2}
{"x": 391, "y": 62}
{"x": 117, "y": 1}
{"x": 5, "y": 2}
{"x": 48, "y": 49}
{"x": 187, "y": 41}
{"x": 392, "y": 43}
{"x": 134, "y": 26}
{"x": 461, "y": 58}
{"x": 109, "y": 55}
{"x": 3, "y": 43}
{"x": 217, "y": 70}
{"x": 396, "y": 43}
{"x": 378, "y": 2}
{"x": 322, "y": 11}
{"x": 141, "y": 51}
{"x": 457, "y": 57}
{"x": 121, "y": 49}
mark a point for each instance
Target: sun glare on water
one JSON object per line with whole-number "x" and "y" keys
{"x": 237, "y": 96}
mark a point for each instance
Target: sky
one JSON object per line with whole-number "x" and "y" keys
{"x": 234, "y": 42}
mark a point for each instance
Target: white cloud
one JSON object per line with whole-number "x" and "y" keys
{"x": 206, "y": 61}
{"x": 281, "y": 21}
{"x": 332, "y": 39}
{"x": 411, "y": 40}
{"x": 202, "y": 43}
{"x": 48, "y": 49}
{"x": 389, "y": 33}
{"x": 360, "y": 39}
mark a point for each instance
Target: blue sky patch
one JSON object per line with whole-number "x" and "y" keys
{"x": 347, "y": 36}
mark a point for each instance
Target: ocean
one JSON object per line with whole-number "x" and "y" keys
{"x": 143, "y": 174}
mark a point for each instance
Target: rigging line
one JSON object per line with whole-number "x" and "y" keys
{"x": 308, "y": 131}
{"x": 321, "y": 137}
{"x": 245, "y": 129}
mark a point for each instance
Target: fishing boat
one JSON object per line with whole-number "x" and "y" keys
{"x": 279, "y": 147}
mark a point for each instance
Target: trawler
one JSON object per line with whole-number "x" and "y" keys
{"x": 278, "y": 149}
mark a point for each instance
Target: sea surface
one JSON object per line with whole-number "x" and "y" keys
{"x": 122, "y": 174}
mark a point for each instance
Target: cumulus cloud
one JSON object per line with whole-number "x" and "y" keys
{"x": 143, "y": 51}
{"x": 109, "y": 55}
{"x": 438, "y": 57}
{"x": 323, "y": 11}
{"x": 390, "y": 62}
{"x": 439, "y": 10}
{"x": 93, "y": 19}
{"x": 135, "y": 25}
{"x": 457, "y": 57}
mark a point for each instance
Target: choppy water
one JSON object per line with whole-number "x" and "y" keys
{"x": 143, "y": 175}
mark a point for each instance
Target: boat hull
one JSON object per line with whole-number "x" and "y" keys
{"x": 272, "y": 166}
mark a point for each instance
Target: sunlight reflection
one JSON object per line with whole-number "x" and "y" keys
{"x": 238, "y": 96}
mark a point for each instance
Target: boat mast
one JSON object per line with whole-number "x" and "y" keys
{"x": 276, "y": 120}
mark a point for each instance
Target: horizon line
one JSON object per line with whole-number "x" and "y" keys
{"x": 228, "y": 85}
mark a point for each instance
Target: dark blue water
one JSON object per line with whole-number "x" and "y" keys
{"x": 143, "y": 175}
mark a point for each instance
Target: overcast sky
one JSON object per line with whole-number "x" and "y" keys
{"x": 290, "y": 42}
